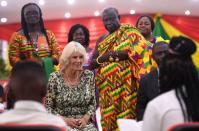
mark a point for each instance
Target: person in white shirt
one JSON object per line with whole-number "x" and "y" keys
{"x": 179, "y": 84}
{"x": 28, "y": 84}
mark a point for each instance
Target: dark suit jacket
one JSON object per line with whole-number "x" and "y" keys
{"x": 147, "y": 91}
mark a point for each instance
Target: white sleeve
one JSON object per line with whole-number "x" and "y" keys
{"x": 152, "y": 118}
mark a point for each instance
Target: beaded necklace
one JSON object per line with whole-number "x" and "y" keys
{"x": 34, "y": 42}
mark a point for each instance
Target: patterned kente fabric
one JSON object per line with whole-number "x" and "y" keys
{"x": 20, "y": 48}
{"x": 150, "y": 47}
{"x": 118, "y": 81}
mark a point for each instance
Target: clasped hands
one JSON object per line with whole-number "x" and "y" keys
{"x": 77, "y": 123}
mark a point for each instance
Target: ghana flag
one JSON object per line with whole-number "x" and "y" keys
{"x": 167, "y": 27}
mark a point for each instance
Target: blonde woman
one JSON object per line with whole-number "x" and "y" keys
{"x": 71, "y": 91}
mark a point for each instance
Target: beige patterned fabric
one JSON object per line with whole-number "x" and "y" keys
{"x": 72, "y": 101}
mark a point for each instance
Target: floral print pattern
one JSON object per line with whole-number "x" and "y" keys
{"x": 76, "y": 101}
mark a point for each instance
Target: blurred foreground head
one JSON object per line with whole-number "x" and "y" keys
{"x": 27, "y": 81}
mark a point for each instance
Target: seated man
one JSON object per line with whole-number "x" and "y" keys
{"x": 28, "y": 85}
{"x": 149, "y": 84}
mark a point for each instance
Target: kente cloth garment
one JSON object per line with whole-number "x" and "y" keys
{"x": 150, "y": 44}
{"x": 20, "y": 48}
{"x": 72, "y": 102}
{"x": 118, "y": 81}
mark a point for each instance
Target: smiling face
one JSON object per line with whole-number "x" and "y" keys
{"x": 111, "y": 20}
{"x": 144, "y": 26}
{"x": 79, "y": 36}
{"x": 76, "y": 61}
{"x": 31, "y": 14}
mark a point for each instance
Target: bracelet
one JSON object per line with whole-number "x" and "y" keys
{"x": 111, "y": 59}
{"x": 97, "y": 60}
{"x": 117, "y": 57}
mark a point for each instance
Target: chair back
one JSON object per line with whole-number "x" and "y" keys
{"x": 25, "y": 127}
{"x": 192, "y": 126}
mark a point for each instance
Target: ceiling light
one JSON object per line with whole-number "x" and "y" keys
{"x": 41, "y": 2}
{"x": 101, "y": 1}
{"x": 132, "y": 12}
{"x": 4, "y": 3}
{"x": 3, "y": 20}
{"x": 71, "y": 2}
{"x": 96, "y": 13}
{"x": 187, "y": 12}
{"x": 67, "y": 15}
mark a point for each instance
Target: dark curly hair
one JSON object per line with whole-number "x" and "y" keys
{"x": 85, "y": 30}
{"x": 150, "y": 19}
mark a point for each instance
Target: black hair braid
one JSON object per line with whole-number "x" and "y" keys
{"x": 43, "y": 30}
{"x": 170, "y": 79}
{"x": 23, "y": 23}
{"x": 178, "y": 91}
{"x": 192, "y": 90}
{"x": 187, "y": 90}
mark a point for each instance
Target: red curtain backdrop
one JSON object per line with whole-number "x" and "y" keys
{"x": 186, "y": 24}
{"x": 61, "y": 28}
{"x": 189, "y": 25}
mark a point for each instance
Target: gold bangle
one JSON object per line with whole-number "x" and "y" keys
{"x": 117, "y": 57}
{"x": 97, "y": 60}
{"x": 111, "y": 59}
